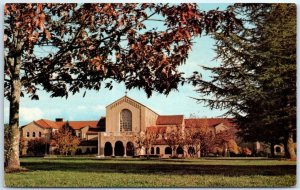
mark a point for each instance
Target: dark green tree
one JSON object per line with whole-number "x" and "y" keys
{"x": 38, "y": 146}
{"x": 256, "y": 81}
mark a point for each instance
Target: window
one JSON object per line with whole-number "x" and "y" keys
{"x": 28, "y": 134}
{"x": 277, "y": 149}
{"x": 168, "y": 150}
{"x": 125, "y": 120}
{"x": 33, "y": 134}
{"x": 157, "y": 150}
{"x": 152, "y": 150}
{"x": 40, "y": 134}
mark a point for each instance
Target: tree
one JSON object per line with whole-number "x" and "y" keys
{"x": 7, "y": 143}
{"x": 225, "y": 140}
{"x": 174, "y": 137}
{"x": 256, "y": 81}
{"x": 65, "y": 142}
{"x": 247, "y": 151}
{"x": 147, "y": 139}
{"x": 91, "y": 45}
{"x": 38, "y": 146}
{"x": 199, "y": 136}
{"x": 191, "y": 141}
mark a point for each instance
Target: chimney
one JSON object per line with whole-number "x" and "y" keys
{"x": 59, "y": 119}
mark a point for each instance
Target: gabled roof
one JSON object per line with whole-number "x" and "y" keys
{"x": 169, "y": 120}
{"x": 208, "y": 122}
{"x": 47, "y": 124}
{"x": 131, "y": 100}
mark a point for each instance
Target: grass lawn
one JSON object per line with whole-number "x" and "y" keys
{"x": 91, "y": 172}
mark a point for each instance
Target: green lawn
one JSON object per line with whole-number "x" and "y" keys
{"x": 91, "y": 172}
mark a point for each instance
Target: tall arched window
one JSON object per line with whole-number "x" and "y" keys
{"x": 126, "y": 120}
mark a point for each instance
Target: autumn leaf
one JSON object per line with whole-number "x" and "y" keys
{"x": 42, "y": 21}
{"x": 6, "y": 11}
{"x": 39, "y": 8}
{"x": 33, "y": 37}
{"x": 48, "y": 34}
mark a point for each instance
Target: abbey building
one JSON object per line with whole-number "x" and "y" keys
{"x": 117, "y": 133}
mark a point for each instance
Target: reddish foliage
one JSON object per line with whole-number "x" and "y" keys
{"x": 147, "y": 139}
{"x": 247, "y": 151}
{"x": 95, "y": 42}
{"x": 65, "y": 142}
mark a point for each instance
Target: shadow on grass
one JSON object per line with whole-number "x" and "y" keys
{"x": 165, "y": 168}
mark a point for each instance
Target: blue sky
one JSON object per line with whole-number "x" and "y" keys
{"x": 92, "y": 106}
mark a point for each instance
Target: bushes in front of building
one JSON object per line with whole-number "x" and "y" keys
{"x": 37, "y": 147}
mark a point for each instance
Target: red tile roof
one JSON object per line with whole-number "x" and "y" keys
{"x": 169, "y": 120}
{"x": 208, "y": 122}
{"x": 47, "y": 124}
{"x": 80, "y": 124}
{"x": 158, "y": 129}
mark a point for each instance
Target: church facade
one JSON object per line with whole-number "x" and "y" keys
{"x": 125, "y": 119}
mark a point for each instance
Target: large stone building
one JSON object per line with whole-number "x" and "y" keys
{"x": 116, "y": 133}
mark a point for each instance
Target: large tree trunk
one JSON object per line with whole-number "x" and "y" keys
{"x": 13, "y": 161}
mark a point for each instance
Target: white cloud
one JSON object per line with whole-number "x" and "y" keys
{"x": 30, "y": 114}
{"x": 98, "y": 107}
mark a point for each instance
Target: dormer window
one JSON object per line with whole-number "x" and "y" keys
{"x": 125, "y": 120}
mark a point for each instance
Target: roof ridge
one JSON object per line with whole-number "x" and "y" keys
{"x": 36, "y": 122}
{"x": 50, "y": 122}
{"x": 132, "y": 100}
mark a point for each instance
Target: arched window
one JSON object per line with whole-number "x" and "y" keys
{"x": 157, "y": 150}
{"x": 126, "y": 120}
{"x": 40, "y": 134}
{"x": 28, "y": 134}
{"x": 33, "y": 134}
{"x": 152, "y": 150}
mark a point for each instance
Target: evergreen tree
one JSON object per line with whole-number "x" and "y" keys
{"x": 256, "y": 81}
